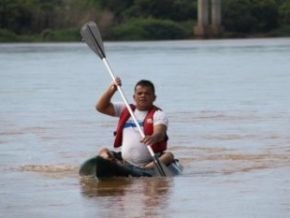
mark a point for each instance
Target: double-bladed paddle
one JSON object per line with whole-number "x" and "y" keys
{"x": 93, "y": 39}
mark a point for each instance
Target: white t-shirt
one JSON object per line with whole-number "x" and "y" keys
{"x": 132, "y": 149}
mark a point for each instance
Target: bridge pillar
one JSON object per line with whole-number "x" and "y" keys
{"x": 216, "y": 17}
{"x": 209, "y": 18}
{"x": 202, "y": 27}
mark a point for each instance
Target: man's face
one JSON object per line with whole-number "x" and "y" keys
{"x": 144, "y": 97}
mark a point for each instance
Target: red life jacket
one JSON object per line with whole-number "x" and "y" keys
{"x": 148, "y": 128}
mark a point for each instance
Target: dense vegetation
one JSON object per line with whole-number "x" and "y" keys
{"x": 60, "y": 20}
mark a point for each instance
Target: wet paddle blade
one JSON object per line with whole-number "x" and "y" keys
{"x": 92, "y": 36}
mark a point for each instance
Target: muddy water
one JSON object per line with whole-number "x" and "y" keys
{"x": 228, "y": 103}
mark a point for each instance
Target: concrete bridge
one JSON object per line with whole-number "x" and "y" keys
{"x": 209, "y": 22}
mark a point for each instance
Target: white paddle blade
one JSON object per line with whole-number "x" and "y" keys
{"x": 92, "y": 36}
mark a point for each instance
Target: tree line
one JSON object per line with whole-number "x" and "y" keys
{"x": 60, "y": 20}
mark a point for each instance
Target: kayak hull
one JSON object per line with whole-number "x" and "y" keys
{"x": 102, "y": 168}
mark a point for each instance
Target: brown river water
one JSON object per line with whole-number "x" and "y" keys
{"x": 229, "y": 108}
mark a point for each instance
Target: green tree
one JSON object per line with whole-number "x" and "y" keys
{"x": 16, "y": 15}
{"x": 284, "y": 12}
{"x": 247, "y": 16}
{"x": 148, "y": 28}
{"x": 28, "y": 16}
{"x": 237, "y": 17}
{"x": 116, "y": 6}
{"x": 266, "y": 14}
{"x": 177, "y": 10}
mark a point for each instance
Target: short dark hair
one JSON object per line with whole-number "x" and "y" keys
{"x": 147, "y": 83}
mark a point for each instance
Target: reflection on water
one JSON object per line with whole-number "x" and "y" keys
{"x": 142, "y": 197}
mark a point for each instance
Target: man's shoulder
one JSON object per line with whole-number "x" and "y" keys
{"x": 158, "y": 110}
{"x": 160, "y": 113}
{"x": 160, "y": 117}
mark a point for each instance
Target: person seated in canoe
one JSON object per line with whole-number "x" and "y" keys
{"x": 152, "y": 120}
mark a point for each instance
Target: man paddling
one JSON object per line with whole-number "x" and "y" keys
{"x": 152, "y": 119}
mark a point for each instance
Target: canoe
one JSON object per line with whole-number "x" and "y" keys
{"x": 102, "y": 168}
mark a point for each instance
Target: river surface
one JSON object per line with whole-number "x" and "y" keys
{"x": 228, "y": 103}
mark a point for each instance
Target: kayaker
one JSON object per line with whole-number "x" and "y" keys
{"x": 152, "y": 119}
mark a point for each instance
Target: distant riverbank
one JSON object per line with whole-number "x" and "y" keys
{"x": 67, "y": 35}
{"x": 60, "y": 21}
{"x": 73, "y": 35}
